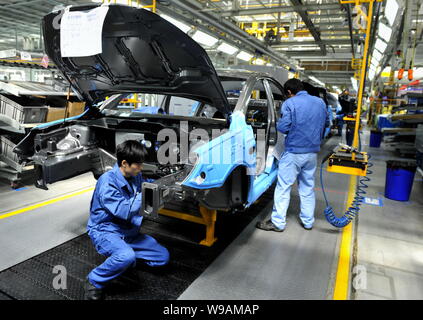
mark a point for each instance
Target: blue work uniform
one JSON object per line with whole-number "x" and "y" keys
{"x": 339, "y": 118}
{"x": 303, "y": 120}
{"x": 114, "y": 227}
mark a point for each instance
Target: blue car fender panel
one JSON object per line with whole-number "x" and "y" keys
{"x": 219, "y": 157}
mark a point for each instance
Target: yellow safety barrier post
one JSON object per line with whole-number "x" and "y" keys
{"x": 342, "y": 281}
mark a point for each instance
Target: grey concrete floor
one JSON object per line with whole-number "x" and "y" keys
{"x": 389, "y": 240}
{"x": 295, "y": 264}
{"x": 32, "y": 232}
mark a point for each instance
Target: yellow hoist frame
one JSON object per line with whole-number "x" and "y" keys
{"x": 344, "y": 159}
{"x": 152, "y": 6}
{"x": 208, "y": 219}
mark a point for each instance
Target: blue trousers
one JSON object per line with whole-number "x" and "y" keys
{"x": 122, "y": 253}
{"x": 340, "y": 123}
{"x": 294, "y": 166}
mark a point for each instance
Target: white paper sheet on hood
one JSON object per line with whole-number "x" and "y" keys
{"x": 81, "y": 32}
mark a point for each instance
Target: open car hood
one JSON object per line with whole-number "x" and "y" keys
{"x": 141, "y": 52}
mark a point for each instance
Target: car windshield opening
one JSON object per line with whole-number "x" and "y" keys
{"x": 140, "y": 104}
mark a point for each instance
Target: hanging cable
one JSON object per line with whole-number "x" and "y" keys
{"x": 354, "y": 208}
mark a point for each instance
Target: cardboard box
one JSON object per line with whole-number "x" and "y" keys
{"x": 75, "y": 109}
{"x": 55, "y": 114}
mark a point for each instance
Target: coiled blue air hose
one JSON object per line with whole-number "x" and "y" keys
{"x": 353, "y": 210}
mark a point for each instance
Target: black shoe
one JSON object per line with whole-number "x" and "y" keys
{"x": 92, "y": 292}
{"x": 268, "y": 226}
{"x": 308, "y": 229}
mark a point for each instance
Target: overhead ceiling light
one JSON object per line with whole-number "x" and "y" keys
{"x": 185, "y": 28}
{"x": 301, "y": 39}
{"x": 264, "y": 18}
{"x": 317, "y": 81}
{"x": 386, "y": 72}
{"x": 377, "y": 55}
{"x": 354, "y": 83}
{"x": 374, "y": 62}
{"x": 387, "y": 69}
{"x": 391, "y": 10}
{"x": 381, "y": 45}
{"x": 204, "y": 38}
{"x": 244, "y": 56}
{"x": 226, "y": 48}
{"x": 372, "y": 75}
{"x": 384, "y": 32}
{"x": 260, "y": 62}
{"x": 244, "y": 19}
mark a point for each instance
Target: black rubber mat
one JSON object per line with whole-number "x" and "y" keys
{"x": 33, "y": 278}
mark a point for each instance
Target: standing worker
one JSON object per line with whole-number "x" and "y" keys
{"x": 303, "y": 120}
{"x": 346, "y": 105}
{"x": 114, "y": 223}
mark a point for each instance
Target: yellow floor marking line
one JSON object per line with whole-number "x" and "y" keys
{"x": 343, "y": 271}
{"x": 44, "y": 203}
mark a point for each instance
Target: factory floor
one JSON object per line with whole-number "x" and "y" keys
{"x": 40, "y": 229}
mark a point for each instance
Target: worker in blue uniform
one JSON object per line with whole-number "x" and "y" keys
{"x": 339, "y": 119}
{"x": 303, "y": 120}
{"x": 115, "y": 220}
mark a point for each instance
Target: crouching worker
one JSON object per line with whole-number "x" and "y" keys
{"x": 114, "y": 223}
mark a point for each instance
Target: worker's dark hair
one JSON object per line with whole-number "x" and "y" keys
{"x": 311, "y": 90}
{"x": 132, "y": 151}
{"x": 293, "y": 85}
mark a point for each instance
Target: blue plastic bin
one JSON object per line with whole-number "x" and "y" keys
{"x": 384, "y": 122}
{"x": 375, "y": 138}
{"x": 399, "y": 179}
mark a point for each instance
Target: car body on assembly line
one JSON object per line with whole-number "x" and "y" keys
{"x": 210, "y": 136}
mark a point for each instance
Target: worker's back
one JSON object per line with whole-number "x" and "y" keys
{"x": 303, "y": 120}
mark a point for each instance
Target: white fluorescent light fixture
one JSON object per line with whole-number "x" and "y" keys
{"x": 300, "y": 39}
{"x": 387, "y": 69}
{"x": 317, "y": 81}
{"x": 354, "y": 83}
{"x": 264, "y": 18}
{"x": 185, "y": 28}
{"x": 260, "y": 62}
{"x": 384, "y": 32}
{"x": 244, "y": 19}
{"x": 381, "y": 45}
{"x": 372, "y": 75}
{"x": 391, "y": 10}
{"x": 244, "y": 56}
{"x": 374, "y": 62}
{"x": 226, "y": 48}
{"x": 205, "y": 39}
{"x": 376, "y": 55}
